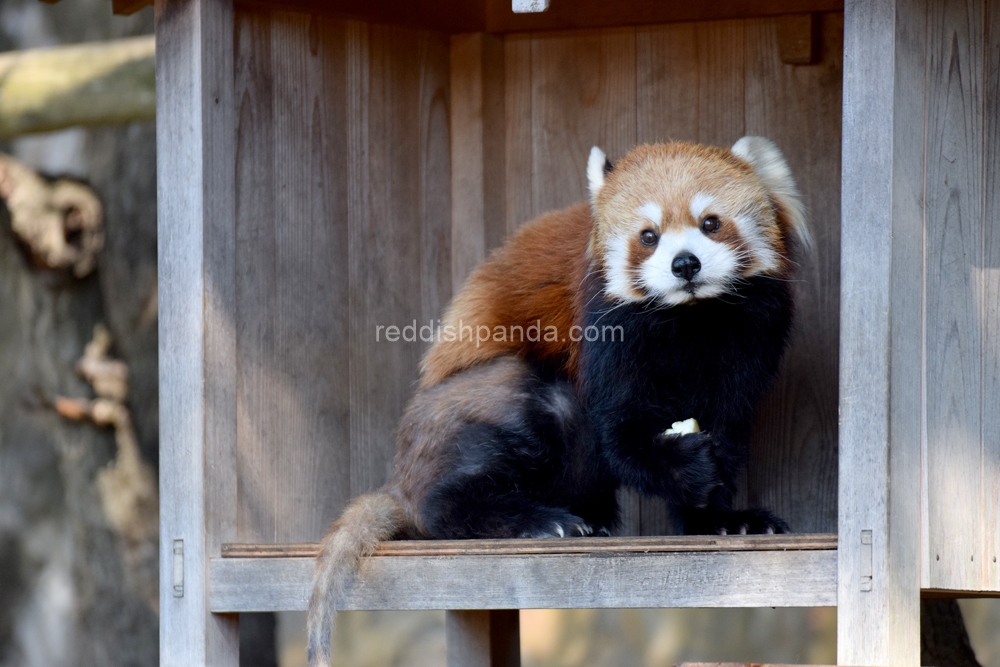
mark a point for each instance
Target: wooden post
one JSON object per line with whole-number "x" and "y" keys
{"x": 195, "y": 199}
{"x": 483, "y": 638}
{"x": 878, "y": 615}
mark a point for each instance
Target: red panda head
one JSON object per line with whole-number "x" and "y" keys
{"x": 680, "y": 222}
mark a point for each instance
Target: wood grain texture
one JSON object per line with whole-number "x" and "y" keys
{"x": 478, "y": 198}
{"x": 483, "y": 638}
{"x": 990, "y": 303}
{"x": 196, "y": 255}
{"x": 793, "y": 457}
{"x": 518, "y": 130}
{"x": 878, "y": 613}
{"x": 668, "y": 77}
{"x": 954, "y": 251}
{"x": 292, "y": 278}
{"x": 714, "y": 579}
{"x": 582, "y": 94}
{"x": 583, "y": 545}
{"x": 398, "y": 148}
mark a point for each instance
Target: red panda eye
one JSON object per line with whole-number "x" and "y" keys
{"x": 711, "y": 224}
{"x": 649, "y": 237}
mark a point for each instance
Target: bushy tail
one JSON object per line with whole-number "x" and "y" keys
{"x": 367, "y": 521}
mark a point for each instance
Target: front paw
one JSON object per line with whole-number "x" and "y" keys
{"x": 755, "y": 521}
{"x": 557, "y": 524}
{"x": 691, "y": 470}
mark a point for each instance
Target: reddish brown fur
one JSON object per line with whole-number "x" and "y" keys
{"x": 534, "y": 277}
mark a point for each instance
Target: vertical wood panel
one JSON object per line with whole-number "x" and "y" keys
{"x": 582, "y": 93}
{"x": 477, "y": 188}
{"x": 292, "y": 284}
{"x": 722, "y": 81}
{"x": 518, "y": 130}
{"x": 388, "y": 69}
{"x": 793, "y": 458}
{"x": 878, "y": 597}
{"x": 483, "y": 638}
{"x": 667, "y": 83}
{"x": 196, "y": 252}
{"x": 990, "y": 317}
{"x": 953, "y": 251}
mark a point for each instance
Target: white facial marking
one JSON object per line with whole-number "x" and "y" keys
{"x": 618, "y": 279}
{"x": 652, "y": 212}
{"x": 762, "y": 256}
{"x": 719, "y": 267}
{"x": 700, "y": 204}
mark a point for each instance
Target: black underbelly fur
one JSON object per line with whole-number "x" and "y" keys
{"x": 551, "y": 466}
{"x": 712, "y": 360}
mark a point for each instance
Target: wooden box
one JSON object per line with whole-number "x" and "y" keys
{"x": 326, "y": 168}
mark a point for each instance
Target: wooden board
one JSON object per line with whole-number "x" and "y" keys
{"x": 583, "y": 545}
{"x": 197, "y": 337}
{"x": 953, "y": 251}
{"x": 534, "y": 581}
{"x": 793, "y": 457}
{"x": 292, "y": 278}
{"x": 878, "y": 612}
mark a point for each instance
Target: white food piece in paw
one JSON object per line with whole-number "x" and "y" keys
{"x": 683, "y": 428}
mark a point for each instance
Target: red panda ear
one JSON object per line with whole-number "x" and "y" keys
{"x": 597, "y": 168}
{"x": 766, "y": 159}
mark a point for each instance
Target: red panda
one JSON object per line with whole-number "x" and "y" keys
{"x": 685, "y": 250}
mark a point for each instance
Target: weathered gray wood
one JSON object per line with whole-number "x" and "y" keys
{"x": 399, "y": 180}
{"x": 478, "y": 197}
{"x": 517, "y": 130}
{"x": 700, "y": 579}
{"x": 667, "y": 75}
{"x": 483, "y": 638}
{"x": 292, "y": 282}
{"x": 954, "y": 333}
{"x": 792, "y": 466}
{"x": 196, "y": 230}
{"x": 880, "y": 403}
{"x": 991, "y": 302}
{"x": 583, "y": 545}
{"x": 589, "y": 78}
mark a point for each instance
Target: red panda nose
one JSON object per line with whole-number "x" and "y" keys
{"x": 686, "y": 266}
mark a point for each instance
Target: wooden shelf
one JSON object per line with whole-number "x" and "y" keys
{"x": 732, "y": 571}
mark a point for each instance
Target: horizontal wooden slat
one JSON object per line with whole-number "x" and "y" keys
{"x": 792, "y": 578}
{"x": 554, "y": 546}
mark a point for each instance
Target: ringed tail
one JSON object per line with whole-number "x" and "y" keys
{"x": 368, "y": 520}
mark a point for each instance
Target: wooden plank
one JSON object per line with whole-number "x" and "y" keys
{"x": 878, "y": 613}
{"x": 483, "y": 638}
{"x": 721, "y": 76}
{"x": 129, "y": 7}
{"x": 583, "y": 545}
{"x": 799, "y": 38}
{"x": 196, "y": 259}
{"x": 518, "y": 130}
{"x": 450, "y": 16}
{"x": 583, "y": 93}
{"x": 292, "y": 277}
{"x": 793, "y": 456}
{"x": 478, "y": 201}
{"x": 954, "y": 229}
{"x": 397, "y": 148}
{"x": 563, "y": 14}
{"x": 533, "y": 581}
{"x": 991, "y": 302}
{"x": 667, "y": 76}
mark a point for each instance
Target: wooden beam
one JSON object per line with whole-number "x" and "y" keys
{"x": 878, "y": 614}
{"x": 129, "y": 7}
{"x": 196, "y": 246}
{"x": 534, "y": 581}
{"x": 583, "y": 545}
{"x": 84, "y": 84}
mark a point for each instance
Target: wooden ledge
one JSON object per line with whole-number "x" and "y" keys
{"x": 731, "y": 571}
{"x": 579, "y": 545}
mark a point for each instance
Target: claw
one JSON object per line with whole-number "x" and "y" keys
{"x": 743, "y": 529}
{"x": 769, "y": 530}
{"x": 723, "y": 531}
{"x": 560, "y": 531}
